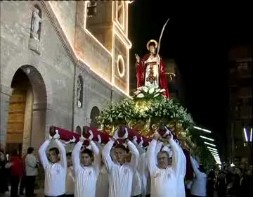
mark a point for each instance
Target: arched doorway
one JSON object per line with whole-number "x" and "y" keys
{"x": 27, "y": 110}
{"x": 93, "y": 115}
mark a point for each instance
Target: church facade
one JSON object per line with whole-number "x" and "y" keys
{"x": 62, "y": 62}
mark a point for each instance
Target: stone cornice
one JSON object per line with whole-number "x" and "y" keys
{"x": 55, "y": 23}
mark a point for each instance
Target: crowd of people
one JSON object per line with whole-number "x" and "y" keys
{"x": 18, "y": 172}
{"x": 118, "y": 169}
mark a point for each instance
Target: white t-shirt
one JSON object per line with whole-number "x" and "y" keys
{"x": 199, "y": 182}
{"x": 85, "y": 176}
{"x": 120, "y": 176}
{"x": 137, "y": 184}
{"x": 31, "y": 165}
{"x": 163, "y": 181}
{"x": 55, "y": 173}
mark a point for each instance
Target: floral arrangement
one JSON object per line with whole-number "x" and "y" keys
{"x": 148, "y": 109}
{"x": 148, "y": 106}
{"x": 146, "y": 92}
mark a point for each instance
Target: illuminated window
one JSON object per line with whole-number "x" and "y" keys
{"x": 121, "y": 66}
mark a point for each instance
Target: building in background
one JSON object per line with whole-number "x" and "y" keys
{"x": 61, "y": 63}
{"x": 239, "y": 132}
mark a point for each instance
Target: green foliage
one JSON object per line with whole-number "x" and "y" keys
{"x": 147, "y": 104}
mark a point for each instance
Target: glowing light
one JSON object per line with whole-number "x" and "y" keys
{"x": 120, "y": 5}
{"x": 210, "y": 144}
{"x": 120, "y": 59}
{"x": 121, "y": 35}
{"x": 245, "y": 134}
{"x": 213, "y": 151}
{"x": 207, "y": 138}
{"x": 116, "y": 30}
{"x": 211, "y": 148}
{"x": 205, "y": 130}
{"x": 250, "y": 139}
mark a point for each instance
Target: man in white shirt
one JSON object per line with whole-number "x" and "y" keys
{"x": 182, "y": 173}
{"x": 120, "y": 172}
{"x": 163, "y": 175}
{"x": 31, "y": 170}
{"x": 198, "y": 187}
{"x": 55, "y": 167}
{"x": 86, "y": 172}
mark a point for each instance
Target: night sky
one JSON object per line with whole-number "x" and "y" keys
{"x": 198, "y": 38}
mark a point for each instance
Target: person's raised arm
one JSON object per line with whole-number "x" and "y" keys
{"x": 63, "y": 158}
{"x": 176, "y": 159}
{"x": 138, "y": 146}
{"x": 151, "y": 154}
{"x": 134, "y": 154}
{"x": 106, "y": 152}
{"x": 194, "y": 166}
{"x": 76, "y": 153}
{"x": 158, "y": 147}
{"x": 97, "y": 156}
{"x": 43, "y": 153}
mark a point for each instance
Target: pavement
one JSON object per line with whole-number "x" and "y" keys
{"x": 38, "y": 192}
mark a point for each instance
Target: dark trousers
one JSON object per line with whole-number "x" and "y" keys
{"x": 30, "y": 183}
{"x": 69, "y": 195}
{"x": 63, "y": 195}
{"x": 14, "y": 186}
{"x": 22, "y": 185}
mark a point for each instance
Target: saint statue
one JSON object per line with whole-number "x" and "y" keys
{"x": 79, "y": 92}
{"x": 150, "y": 70}
{"x": 35, "y": 26}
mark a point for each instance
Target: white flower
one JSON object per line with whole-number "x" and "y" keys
{"x": 137, "y": 92}
{"x": 156, "y": 95}
{"x": 145, "y": 89}
{"x": 140, "y": 95}
{"x": 162, "y": 90}
{"x": 151, "y": 90}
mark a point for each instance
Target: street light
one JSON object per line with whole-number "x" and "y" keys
{"x": 201, "y": 129}
{"x": 207, "y": 138}
{"x": 248, "y": 141}
{"x": 211, "y": 148}
{"x": 247, "y": 136}
{"x": 210, "y": 144}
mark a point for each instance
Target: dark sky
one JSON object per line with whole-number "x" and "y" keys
{"x": 198, "y": 38}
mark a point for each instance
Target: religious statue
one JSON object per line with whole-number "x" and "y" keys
{"x": 35, "y": 26}
{"x": 79, "y": 92}
{"x": 150, "y": 70}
